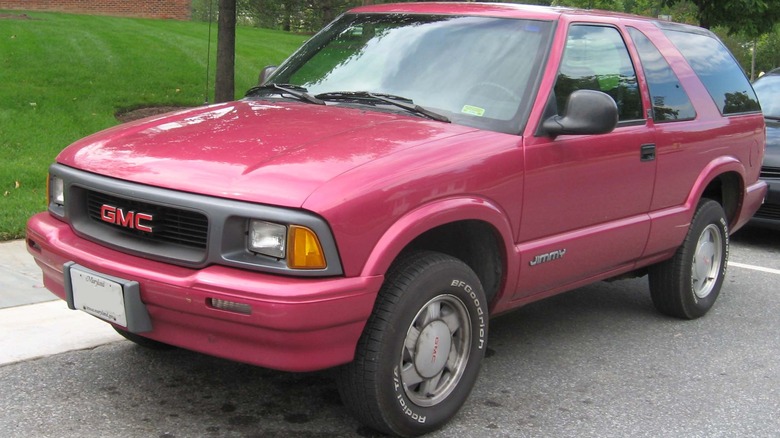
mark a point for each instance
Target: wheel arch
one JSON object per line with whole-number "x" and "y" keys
{"x": 726, "y": 189}
{"x": 470, "y": 229}
{"x": 723, "y": 181}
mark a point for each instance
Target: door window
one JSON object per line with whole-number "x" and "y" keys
{"x": 596, "y": 58}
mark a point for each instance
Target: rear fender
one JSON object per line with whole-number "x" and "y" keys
{"x": 670, "y": 225}
{"x": 716, "y": 168}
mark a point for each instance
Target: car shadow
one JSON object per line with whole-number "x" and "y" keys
{"x": 761, "y": 238}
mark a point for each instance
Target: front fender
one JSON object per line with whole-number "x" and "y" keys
{"x": 432, "y": 215}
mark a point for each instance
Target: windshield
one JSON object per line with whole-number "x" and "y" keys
{"x": 768, "y": 91}
{"x": 476, "y": 71}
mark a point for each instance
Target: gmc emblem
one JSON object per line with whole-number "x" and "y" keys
{"x": 131, "y": 219}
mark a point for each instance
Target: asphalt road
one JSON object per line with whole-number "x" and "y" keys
{"x": 595, "y": 362}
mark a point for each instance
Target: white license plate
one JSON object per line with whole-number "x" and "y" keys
{"x": 98, "y": 296}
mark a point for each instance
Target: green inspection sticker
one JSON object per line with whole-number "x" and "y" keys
{"x": 473, "y": 110}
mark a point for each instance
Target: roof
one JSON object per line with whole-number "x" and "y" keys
{"x": 507, "y": 10}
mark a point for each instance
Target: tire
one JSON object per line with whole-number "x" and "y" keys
{"x": 151, "y": 344}
{"x": 420, "y": 352}
{"x": 687, "y": 285}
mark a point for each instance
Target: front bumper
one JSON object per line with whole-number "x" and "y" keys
{"x": 296, "y": 324}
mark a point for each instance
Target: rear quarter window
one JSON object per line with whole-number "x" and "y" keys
{"x": 670, "y": 101}
{"x": 717, "y": 69}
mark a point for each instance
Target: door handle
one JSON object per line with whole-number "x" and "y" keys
{"x": 647, "y": 152}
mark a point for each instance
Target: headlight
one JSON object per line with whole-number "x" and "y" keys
{"x": 267, "y": 238}
{"x": 56, "y": 191}
{"x": 299, "y": 245}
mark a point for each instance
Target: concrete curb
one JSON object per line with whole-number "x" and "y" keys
{"x": 35, "y": 323}
{"x": 43, "y": 329}
{"x": 20, "y": 277}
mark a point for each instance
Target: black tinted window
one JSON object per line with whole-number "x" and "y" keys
{"x": 717, "y": 70}
{"x": 670, "y": 101}
{"x": 768, "y": 90}
{"x": 596, "y": 58}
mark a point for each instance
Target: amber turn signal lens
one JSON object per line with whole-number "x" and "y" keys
{"x": 304, "y": 249}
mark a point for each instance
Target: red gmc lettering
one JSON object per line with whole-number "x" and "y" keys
{"x": 143, "y": 217}
{"x": 130, "y": 219}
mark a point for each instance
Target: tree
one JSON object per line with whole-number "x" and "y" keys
{"x": 607, "y": 5}
{"x": 225, "y": 88}
{"x": 768, "y": 51}
{"x": 305, "y": 16}
{"x": 751, "y": 17}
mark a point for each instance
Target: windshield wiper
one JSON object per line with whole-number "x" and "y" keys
{"x": 401, "y": 102}
{"x": 293, "y": 90}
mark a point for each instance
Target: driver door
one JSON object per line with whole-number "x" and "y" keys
{"x": 586, "y": 197}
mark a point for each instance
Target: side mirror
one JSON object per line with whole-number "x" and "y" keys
{"x": 265, "y": 73}
{"x": 587, "y": 112}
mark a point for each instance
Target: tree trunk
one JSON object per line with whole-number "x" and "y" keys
{"x": 225, "y": 88}
{"x": 328, "y": 11}
{"x": 753, "y": 61}
{"x": 287, "y": 26}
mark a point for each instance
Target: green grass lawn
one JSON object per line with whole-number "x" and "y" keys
{"x": 64, "y": 76}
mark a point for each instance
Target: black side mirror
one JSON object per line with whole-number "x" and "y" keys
{"x": 587, "y": 112}
{"x": 265, "y": 73}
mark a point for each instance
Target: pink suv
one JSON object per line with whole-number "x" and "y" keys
{"x": 411, "y": 170}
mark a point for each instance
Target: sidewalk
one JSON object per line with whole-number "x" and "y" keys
{"x": 35, "y": 323}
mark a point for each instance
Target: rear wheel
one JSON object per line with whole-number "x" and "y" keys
{"x": 420, "y": 353}
{"x": 687, "y": 285}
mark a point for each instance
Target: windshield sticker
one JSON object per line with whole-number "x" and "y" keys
{"x": 473, "y": 110}
{"x": 532, "y": 28}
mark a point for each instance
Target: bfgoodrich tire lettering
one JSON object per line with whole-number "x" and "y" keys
{"x": 420, "y": 353}
{"x": 687, "y": 285}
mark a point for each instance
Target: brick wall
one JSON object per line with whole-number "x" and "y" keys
{"x": 169, "y": 9}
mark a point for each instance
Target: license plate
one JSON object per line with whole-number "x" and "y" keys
{"x": 98, "y": 296}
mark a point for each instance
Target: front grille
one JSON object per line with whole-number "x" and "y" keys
{"x": 170, "y": 225}
{"x": 768, "y": 211}
{"x": 770, "y": 172}
{"x": 189, "y": 230}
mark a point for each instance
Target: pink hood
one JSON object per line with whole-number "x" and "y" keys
{"x": 257, "y": 151}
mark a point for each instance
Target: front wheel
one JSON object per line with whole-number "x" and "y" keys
{"x": 687, "y": 285}
{"x": 420, "y": 353}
